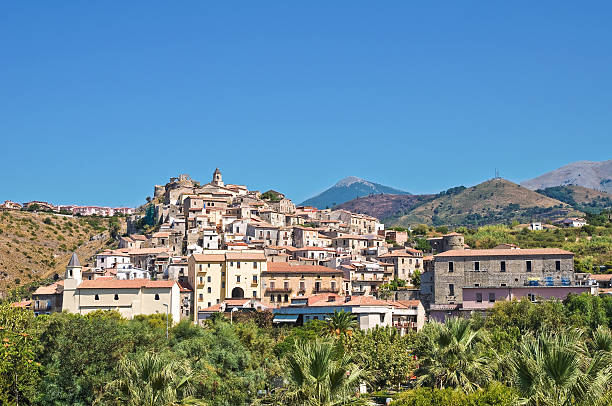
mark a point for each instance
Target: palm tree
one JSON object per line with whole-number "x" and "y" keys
{"x": 342, "y": 323}
{"x": 321, "y": 374}
{"x": 151, "y": 381}
{"x": 557, "y": 369}
{"x": 454, "y": 356}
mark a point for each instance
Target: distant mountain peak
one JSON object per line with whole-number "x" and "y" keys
{"x": 349, "y": 180}
{"x": 589, "y": 174}
{"x": 347, "y": 189}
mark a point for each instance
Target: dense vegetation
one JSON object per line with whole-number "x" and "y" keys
{"x": 549, "y": 353}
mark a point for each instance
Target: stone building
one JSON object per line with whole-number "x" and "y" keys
{"x": 458, "y": 271}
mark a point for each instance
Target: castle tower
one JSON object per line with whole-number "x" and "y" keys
{"x": 217, "y": 178}
{"x": 74, "y": 269}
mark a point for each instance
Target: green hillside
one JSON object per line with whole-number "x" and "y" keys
{"x": 491, "y": 202}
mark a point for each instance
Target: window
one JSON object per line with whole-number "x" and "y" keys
{"x": 209, "y": 304}
{"x": 302, "y": 286}
{"x": 209, "y": 265}
{"x": 451, "y": 289}
{"x": 238, "y": 264}
{"x": 208, "y": 279}
{"x": 333, "y": 285}
{"x": 254, "y": 278}
{"x": 286, "y": 298}
{"x": 157, "y": 296}
{"x": 286, "y": 285}
{"x": 223, "y": 285}
{"x": 528, "y": 266}
{"x": 96, "y": 297}
{"x": 254, "y": 265}
{"x": 116, "y": 296}
{"x": 272, "y": 298}
{"x": 531, "y": 297}
{"x": 254, "y": 293}
{"x": 503, "y": 285}
{"x": 477, "y": 284}
{"x": 201, "y": 296}
{"x": 231, "y": 263}
{"x": 558, "y": 265}
{"x": 479, "y": 297}
{"x": 238, "y": 278}
{"x": 278, "y": 298}
{"x": 491, "y": 297}
{"x": 209, "y": 290}
{"x": 451, "y": 266}
{"x": 477, "y": 265}
{"x": 271, "y": 285}
{"x": 502, "y": 265}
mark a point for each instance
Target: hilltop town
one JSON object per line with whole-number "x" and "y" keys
{"x": 195, "y": 250}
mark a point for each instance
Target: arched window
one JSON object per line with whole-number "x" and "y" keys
{"x": 286, "y": 298}
{"x": 279, "y": 298}
{"x": 272, "y": 298}
{"x": 157, "y": 296}
{"x": 209, "y": 290}
{"x": 96, "y": 297}
{"x": 116, "y": 296}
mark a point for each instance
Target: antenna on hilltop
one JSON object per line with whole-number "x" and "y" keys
{"x": 496, "y": 174}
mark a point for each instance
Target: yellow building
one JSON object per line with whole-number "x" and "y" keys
{"x": 221, "y": 275}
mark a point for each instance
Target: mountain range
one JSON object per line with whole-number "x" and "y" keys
{"x": 574, "y": 189}
{"x": 347, "y": 189}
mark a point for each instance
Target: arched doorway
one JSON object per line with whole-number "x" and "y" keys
{"x": 237, "y": 293}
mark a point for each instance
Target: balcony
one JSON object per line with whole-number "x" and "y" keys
{"x": 279, "y": 290}
{"x": 405, "y": 324}
{"x": 325, "y": 290}
{"x": 375, "y": 280}
{"x": 41, "y": 306}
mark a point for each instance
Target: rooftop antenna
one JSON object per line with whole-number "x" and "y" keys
{"x": 496, "y": 173}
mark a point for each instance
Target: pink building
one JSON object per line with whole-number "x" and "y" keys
{"x": 481, "y": 299}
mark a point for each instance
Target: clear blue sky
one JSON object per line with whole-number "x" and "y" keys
{"x": 102, "y": 100}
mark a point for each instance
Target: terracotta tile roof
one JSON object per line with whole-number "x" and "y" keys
{"x": 209, "y": 257}
{"x": 161, "y": 234}
{"x": 254, "y": 256}
{"x": 23, "y": 304}
{"x": 602, "y": 278}
{"x": 235, "y": 302}
{"x": 504, "y": 252}
{"x": 284, "y": 267}
{"x": 138, "y": 237}
{"x": 407, "y": 304}
{"x": 103, "y": 283}
{"x": 397, "y": 253}
{"x": 57, "y": 287}
{"x": 354, "y": 301}
{"x": 213, "y": 308}
{"x": 314, "y": 249}
{"x": 148, "y": 251}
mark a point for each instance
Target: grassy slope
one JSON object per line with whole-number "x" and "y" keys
{"x": 486, "y": 203}
{"x": 31, "y": 249}
{"x": 382, "y": 206}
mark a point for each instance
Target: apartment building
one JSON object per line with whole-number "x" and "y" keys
{"x": 283, "y": 281}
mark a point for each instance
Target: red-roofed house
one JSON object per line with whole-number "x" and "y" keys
{"x": 369, "y": 311}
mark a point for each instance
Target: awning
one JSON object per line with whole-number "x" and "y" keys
{"x": 285, "y": 318}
